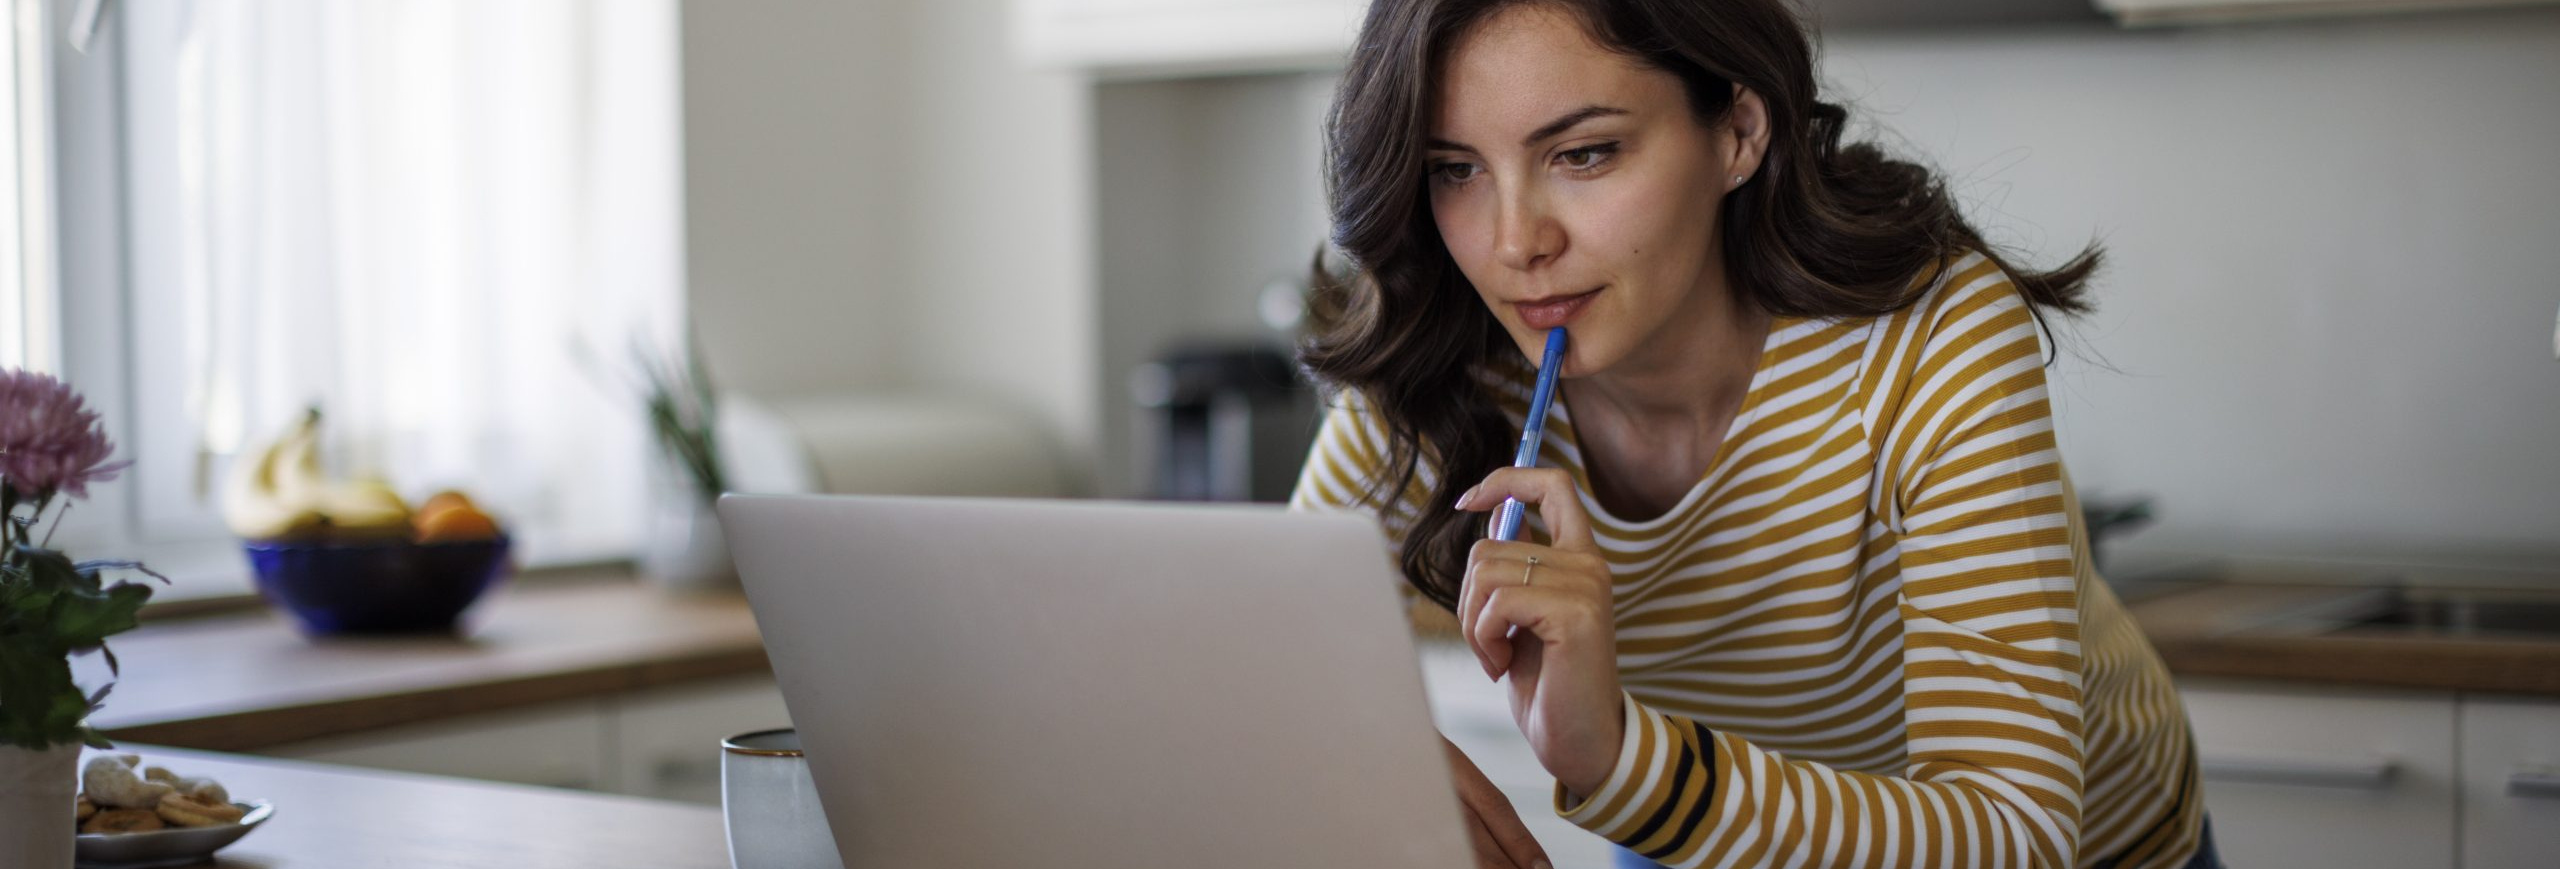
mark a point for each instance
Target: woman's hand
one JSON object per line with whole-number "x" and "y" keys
{"x": 1563, "y": 660}
{"x": 1501, "y": 840}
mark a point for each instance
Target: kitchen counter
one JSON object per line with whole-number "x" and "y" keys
{"x": 2274, "y": 631}
{"x": 245, "y": 681}
{"x": 328, "y": 816}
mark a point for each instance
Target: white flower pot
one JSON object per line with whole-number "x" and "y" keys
{"x": 685, "y": 551}
{"x": 36, "y": 817}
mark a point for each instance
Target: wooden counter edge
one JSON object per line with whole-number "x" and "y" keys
{"x": 264, "y": 728}
{"x": 2190, "y": 648}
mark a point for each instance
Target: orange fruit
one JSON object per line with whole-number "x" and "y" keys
{"x": 444, "y": 499}
{"x": 455, "y": 523}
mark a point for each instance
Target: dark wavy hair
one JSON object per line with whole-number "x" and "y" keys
{"x": 1822, "y": 230}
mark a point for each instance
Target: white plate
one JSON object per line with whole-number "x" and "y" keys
{"x": 173, "y": 846}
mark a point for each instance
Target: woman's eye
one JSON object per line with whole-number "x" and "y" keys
{"x": 1453, "y": 173}
{"x": 1588, "y": 157}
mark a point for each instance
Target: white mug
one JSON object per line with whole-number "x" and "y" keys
{"x": 771, "y": 804}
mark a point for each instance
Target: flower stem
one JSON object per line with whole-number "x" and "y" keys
{"x": 56, "y": 526}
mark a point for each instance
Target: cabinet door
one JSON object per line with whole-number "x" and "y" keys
{"x": 668, "y": 739}
{"x": 2510, "y": 783}
{"x": 2320, "y": 777}
{"x": 558, "y": 745}
{"x": 1187, "y": 36}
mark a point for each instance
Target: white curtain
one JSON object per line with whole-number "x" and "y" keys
{"x": 409, "y": 213}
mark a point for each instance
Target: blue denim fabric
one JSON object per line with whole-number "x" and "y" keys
{"x": 2206, "y": 857}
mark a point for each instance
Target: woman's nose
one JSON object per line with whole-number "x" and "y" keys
{"x": 1525, "y": 236}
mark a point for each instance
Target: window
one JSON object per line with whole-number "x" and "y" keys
{"x": 408, "y": 214}
{"x": 28, "y": 319}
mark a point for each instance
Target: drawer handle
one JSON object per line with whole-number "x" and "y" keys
{"x": 2374, "y": 774}
{"x": 2539, "y": 781}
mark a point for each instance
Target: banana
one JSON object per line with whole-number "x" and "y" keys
{"x": 365, "y": 508}
{"x": 282, "y": 493}
{"x": 251, "y": 502}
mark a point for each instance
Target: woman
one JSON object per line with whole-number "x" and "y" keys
{"x": 1806, "y": 580}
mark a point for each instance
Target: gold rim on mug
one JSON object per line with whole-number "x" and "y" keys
{"x": 731, "y": 745}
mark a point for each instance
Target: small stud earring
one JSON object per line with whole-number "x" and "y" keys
{"x": 1737, "y": 179}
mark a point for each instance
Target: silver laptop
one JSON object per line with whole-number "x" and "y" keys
{"x": 990, "y": 683}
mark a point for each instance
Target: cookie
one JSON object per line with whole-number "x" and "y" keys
{"x": 123, "y": 821}
{"x": 186, "y": 811}
{"x": 110, "y": 781}
{"x": 203, "y": 788}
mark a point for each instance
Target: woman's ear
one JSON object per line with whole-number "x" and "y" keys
{"x": 1747, "y": 140}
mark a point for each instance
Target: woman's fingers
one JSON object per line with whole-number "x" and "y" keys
{"x": 1547, "y": 613}
{"x": 1551, "y": 490}
{"x": 1498, "y": 564}
{"x": 1503, "y": 824}
{"x": 1489, "y": 854}
{"x": 1501, "y": 839}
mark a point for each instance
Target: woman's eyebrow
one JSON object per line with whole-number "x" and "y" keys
{"x": 1548, "y": 131}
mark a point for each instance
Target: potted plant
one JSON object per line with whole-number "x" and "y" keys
{"x": 52, "y": 609}
{"x": 684, "y": 549}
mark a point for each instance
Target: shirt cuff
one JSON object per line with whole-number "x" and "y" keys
{"x": 1622, "y": 776}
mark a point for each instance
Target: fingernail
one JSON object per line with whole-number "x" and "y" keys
{"x": 1464, "y": 496}
{"x": 1541, "y": 863}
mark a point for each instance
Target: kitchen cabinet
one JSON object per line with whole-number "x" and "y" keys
{"x": 2150, "y": 12}
{"x": 1165, "y": 38}
{"x": 2320, "y": 776}
{"x": 1155, "y": 38}
{"x": 667, "y": 741}
{"x": 2510, "y": 782}
{"x": 564, "y": 744}
{"x": 662, "y": 743}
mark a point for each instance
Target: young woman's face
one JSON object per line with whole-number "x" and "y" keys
{"x": 1575, "y": 187}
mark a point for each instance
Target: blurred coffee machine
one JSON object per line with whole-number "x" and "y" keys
{"x": 1225, "y": 422}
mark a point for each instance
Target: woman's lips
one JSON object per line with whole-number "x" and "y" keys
{"x": 1552, "y": 312}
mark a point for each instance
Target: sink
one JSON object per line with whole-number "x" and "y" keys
{"x": 2467, "y": 615}
{"x": 2430, "y": 612}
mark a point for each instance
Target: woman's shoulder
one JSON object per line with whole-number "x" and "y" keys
{"x": 1350, "y": 455}
{"x": 1970, "y": 333}
{"x": 1967, "y": 305}
{"x": 1959, "y": 291}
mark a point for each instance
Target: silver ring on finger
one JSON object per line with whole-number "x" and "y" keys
{"x": 1526, "y": 572}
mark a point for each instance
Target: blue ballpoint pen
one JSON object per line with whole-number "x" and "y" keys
{"x": 1506, "y": 522}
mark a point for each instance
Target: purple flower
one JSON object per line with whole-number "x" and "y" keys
{"x": 49, "y": 439}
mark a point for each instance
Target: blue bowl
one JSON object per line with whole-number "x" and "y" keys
{"x": 388, "y": 587}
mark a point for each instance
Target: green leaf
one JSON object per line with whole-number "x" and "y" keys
{"x": 97, "y": 565}
{"x": 46, "y": 568}
{"x": 84, "y": 618}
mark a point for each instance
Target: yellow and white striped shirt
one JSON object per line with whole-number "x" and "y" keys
{"x": 1871, "y": 635}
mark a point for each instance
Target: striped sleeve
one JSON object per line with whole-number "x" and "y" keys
{"x": 1991, "y": 658}
{"x": 1343, "y": 466}
{"x": 1348, "y": 456}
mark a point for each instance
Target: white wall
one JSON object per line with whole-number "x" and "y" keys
{"x": 2330, "y": 300}
{"x": 999, "y": 243}
{"x": 1213, "y": 192}
{"x": 2335, "y": 262}
{"x": 791, "y": 175}
{"x": 881, "y": 199}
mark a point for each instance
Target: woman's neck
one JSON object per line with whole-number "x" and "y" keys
{"x": 1691, "y": 376}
